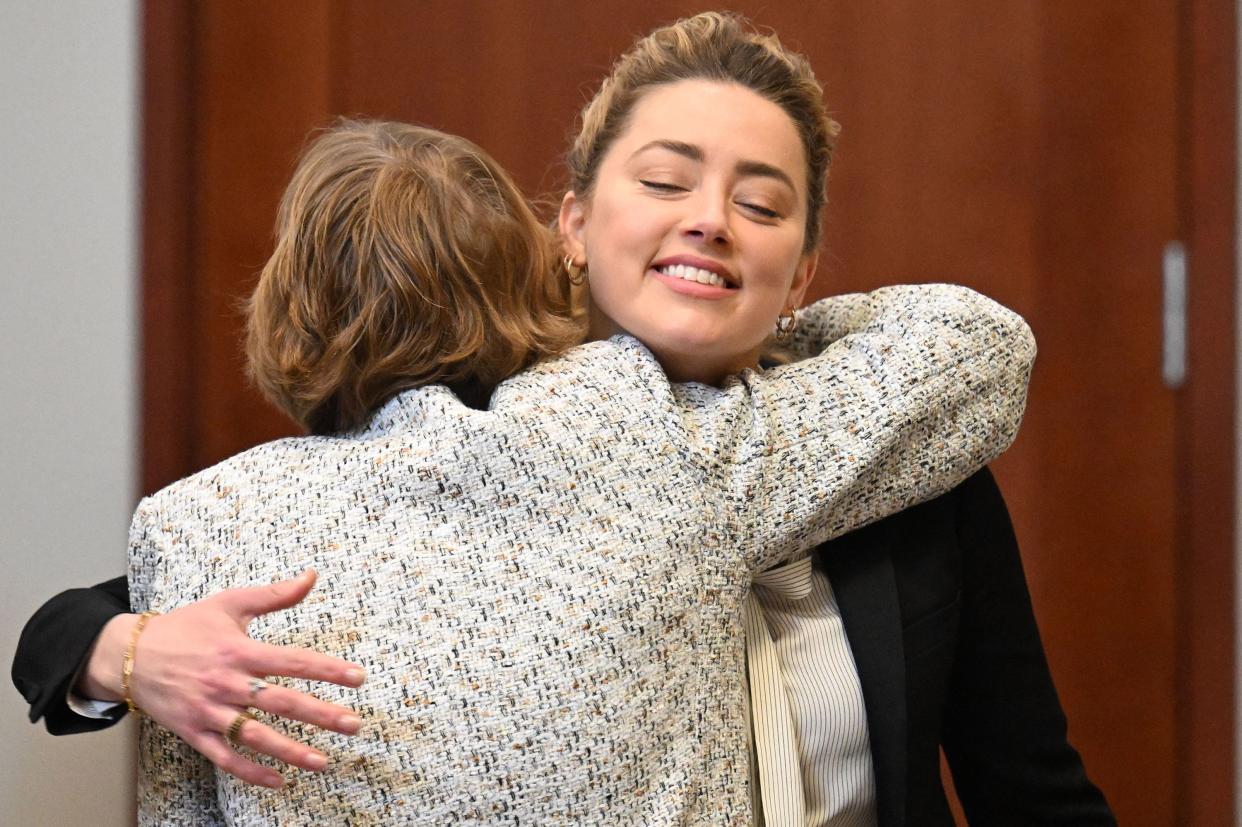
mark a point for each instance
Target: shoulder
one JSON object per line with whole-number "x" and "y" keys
{"x": 616, "y": 370}
{"x": 272, "y": 463}
{"x": 595, "y": 358}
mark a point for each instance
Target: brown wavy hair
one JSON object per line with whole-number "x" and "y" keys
{"x": 404, "y": 256}
{"x": 720, "y": 47}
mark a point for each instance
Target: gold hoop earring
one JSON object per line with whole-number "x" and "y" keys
{"x": 577, "y": 275}
{"x": 786, "y": 324}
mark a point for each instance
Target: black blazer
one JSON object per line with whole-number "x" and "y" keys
{"x": 935, "y": 605}
{"x": 938, "y": 617}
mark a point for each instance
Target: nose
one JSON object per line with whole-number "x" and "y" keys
{"x": 707, "y": 220}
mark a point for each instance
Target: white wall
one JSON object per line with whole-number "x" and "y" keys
{"x": 68, "y": 332}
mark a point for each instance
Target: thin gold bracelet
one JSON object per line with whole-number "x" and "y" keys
{"x": 127, "y": 663}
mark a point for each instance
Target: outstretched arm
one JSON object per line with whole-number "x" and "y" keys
{"x": 917, "y": 388}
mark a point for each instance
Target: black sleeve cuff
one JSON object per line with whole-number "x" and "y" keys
{"x": 53, "y": 645}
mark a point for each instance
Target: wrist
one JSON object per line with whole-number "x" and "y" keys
{"x": 101, "y": 679}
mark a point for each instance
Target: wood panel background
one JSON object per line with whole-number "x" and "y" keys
{"x": 1043, "y": 153}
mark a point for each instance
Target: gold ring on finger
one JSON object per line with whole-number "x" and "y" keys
{"x": 234, "y": 730}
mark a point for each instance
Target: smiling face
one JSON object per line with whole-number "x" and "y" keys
{"x": 693, "y": 233}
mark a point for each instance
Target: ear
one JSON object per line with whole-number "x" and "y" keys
{"x": 803, "y": 275}
{"x": 572, "y": 221}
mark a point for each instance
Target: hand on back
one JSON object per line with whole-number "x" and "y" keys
{"x": 196, "y": 670}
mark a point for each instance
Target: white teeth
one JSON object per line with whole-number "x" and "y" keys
{"x": 683, "y": 271}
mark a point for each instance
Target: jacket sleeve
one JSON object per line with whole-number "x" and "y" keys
{"x": 1005, "y": 733}
{"x": 55, "y": 643}
{"x": 916, "y": 388}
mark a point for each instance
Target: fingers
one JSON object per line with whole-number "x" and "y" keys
{"x": 257, "y": 600}
{"x": 258, "y": 737}
{"x": 262, "y": 738}
{"x": 298, "y": 706}
{"x": 290, "y": 662}
{"x": 220, "y": 752}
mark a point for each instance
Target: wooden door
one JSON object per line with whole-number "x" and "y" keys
{"x": 1044, "y": 153}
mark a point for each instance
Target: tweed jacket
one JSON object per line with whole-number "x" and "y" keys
{"x": 547, "y": 595}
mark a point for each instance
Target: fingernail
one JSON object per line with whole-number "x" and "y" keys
{"x": 351, "y": 723}
{"x": 355, "y": 676}
{"x": 276, "y": 782}
{"x": 316, "y": 761}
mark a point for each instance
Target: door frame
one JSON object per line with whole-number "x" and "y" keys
{"x": 1206, "y": 412}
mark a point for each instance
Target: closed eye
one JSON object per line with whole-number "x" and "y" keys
{"x": 660, "y": 186}
{"x": 759, "y": 210}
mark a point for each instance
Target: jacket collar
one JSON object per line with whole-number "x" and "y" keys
{"x": 860, "y": 568}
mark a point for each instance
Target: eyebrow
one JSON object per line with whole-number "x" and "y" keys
{"x": 694, "y": 153}
{"x": 749, "y": 168}
{"x": 679, "y": 147}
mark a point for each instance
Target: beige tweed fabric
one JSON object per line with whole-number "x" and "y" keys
{"x": 547, "y": 595}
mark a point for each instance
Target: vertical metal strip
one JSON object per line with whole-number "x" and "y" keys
{"x": 1174, "y": 369}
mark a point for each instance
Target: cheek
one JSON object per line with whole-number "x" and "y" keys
{"x": 621, "y": 228}
{"x": 618, "y": 236}
{"x": 779, "y": 262}
{"x": 617, "y": 261}
{"x": 609, "y": 260}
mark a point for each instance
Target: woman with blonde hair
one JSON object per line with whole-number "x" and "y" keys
{"x": 695, "y": 233}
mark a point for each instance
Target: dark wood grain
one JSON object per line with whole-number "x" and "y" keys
{"x": 169, "y": 384}
{"x": 263, "y": 82}
{"x": 1208, "y": 438}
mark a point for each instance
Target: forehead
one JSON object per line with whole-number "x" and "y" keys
{"x": 728, "y": 122}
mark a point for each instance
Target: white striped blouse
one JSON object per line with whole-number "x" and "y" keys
{"x": 824, "y": 696}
